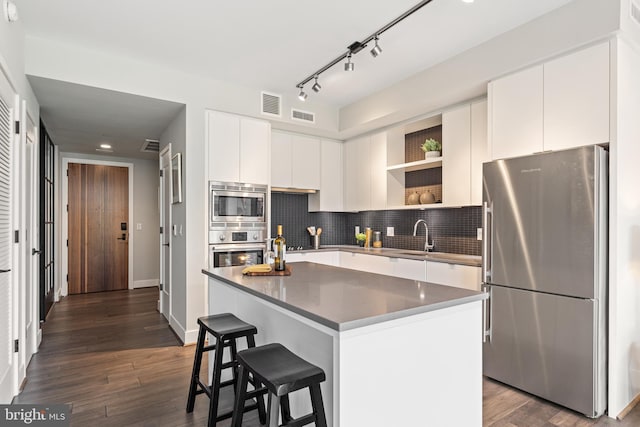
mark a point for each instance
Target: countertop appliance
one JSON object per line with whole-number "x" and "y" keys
{"x": 237, "y": 224}
{"x": 545, "y": 268}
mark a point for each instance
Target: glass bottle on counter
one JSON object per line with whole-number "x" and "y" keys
{"x": 280, "y": 248}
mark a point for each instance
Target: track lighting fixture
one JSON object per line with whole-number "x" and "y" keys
{"x": 302, "y": 95}
{"x": 356, "y": 47}
{"x": 377, "y": 50}
{"x": 349, "y": 66}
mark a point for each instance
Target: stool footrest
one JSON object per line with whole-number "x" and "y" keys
{"x": 227, "y": 365}
{"x": 203, "y": 388}
{"x": 209, "y": 347}
{"x": 302, "y": 421}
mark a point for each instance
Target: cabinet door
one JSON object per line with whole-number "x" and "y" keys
{"x": 409, "y": 269}
{"x": 305, "y": 162}
{"x": 329, "y": 198}
{"x": 456, "y": 156}
{"x": 378, "y": 162}
{"x": 357, "y": 178}
{"x": 516, "y": 114}
{"x": 255, "y": 138}
{"x": 576, "y": 99}
{"x": 280, "y": 159}
{"x": 224, "y": 146}
{"x": 479, "y": 148}
{"x": 460, "y": 276}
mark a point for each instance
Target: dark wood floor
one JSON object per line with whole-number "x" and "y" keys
{"x": 113, "y": 358}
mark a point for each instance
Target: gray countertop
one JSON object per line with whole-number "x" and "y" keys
{"x": 472, "y": 260}
{"x": 344, "y": 299}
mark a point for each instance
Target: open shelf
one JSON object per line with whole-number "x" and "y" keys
{"x": 434, "y": 162}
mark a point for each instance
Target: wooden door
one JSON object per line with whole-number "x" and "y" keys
{"x": 98, "y": 228}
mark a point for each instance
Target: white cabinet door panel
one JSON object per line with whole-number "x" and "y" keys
{"x": 357, "y": 178}
{"x": 516, "y": 114}
{"x": 280, "y": 159}
{"x": 330, "y": 197}
{"x": 224, "y": 149}
{"x": 460, "y": 276}
{"x": 305, "y": 162}
{"x": 326, "y": 258}
{"x": 255, "y": 137}
{"x": 378, "y": 165}
{"x": 409, "y": 269}
{"x": 576, "y": 99}
{"x": 456, "y": 156}
{"x": 479, "y": 148}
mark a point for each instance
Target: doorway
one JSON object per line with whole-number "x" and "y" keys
{"x": 98, "y": 224}
{"x": 164, "y": 200}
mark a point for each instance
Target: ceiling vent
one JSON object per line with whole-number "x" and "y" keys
{"x": 271, "y": 104}
{"x": 150, "y": 146}
{"x": 635, "y": 12}
{"x": 303, "y": 116}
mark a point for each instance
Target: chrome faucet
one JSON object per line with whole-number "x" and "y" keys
{"x": 427, "y": 246}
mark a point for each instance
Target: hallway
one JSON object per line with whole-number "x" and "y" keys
{"x": 112, "y": 356}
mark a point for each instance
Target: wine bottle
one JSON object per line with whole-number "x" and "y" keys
{"x": 280, "y": 247}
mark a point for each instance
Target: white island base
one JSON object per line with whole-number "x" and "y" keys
{"x": 424, "y": 369}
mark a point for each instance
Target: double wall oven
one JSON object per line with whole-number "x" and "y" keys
{"x": 237, "y": 224}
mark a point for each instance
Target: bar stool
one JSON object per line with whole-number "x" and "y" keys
{"x": 226, "y": 328}
{"x": 282, "y": 372}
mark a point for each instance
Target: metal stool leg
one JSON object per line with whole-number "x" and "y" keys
{"x": 274, "y": 410}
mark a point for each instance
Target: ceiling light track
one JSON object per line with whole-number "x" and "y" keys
{"x": 356, "y": 47}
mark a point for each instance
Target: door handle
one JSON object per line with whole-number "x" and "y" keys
{"x": 487, "y": 212}
{"x": 124, "y": 237}
{"x": 34, "y": 251}
{"x": 486, "y": 315}
{"x": 165, "y": 244}
{"x": 5, "y": 271}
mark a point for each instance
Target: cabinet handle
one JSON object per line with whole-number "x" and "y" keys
{"x": 5, "y": 271}
{"x": 487, "y": 225}
{"x": 486, "y": 315}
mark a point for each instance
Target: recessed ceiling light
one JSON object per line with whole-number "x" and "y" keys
{"x": 105, "y": 146}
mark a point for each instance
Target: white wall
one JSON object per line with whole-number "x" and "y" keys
{"x": 466, "y": 75}
{"x": 146, "y": 242}
{"x": 624, "y": 235}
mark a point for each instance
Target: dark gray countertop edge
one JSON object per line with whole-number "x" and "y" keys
{"x": 390, "y": 253}
{"x": 341, "y": 327}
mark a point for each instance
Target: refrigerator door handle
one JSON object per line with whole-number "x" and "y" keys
{"x": 487, "y": 225}
{"x": 486, "y": 315}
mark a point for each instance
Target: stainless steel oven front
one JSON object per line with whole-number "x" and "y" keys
{"x": 236, "y": 202}
{"x": 233, "y": 255}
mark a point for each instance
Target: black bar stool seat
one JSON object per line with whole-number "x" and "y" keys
{"x": 226, "y": 329}
{"x": 281, "y": 372}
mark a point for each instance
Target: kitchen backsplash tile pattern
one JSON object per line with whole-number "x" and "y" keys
{"x": 453, "y": 229}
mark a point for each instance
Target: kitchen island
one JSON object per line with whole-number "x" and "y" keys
{"x": 395, "y": 351}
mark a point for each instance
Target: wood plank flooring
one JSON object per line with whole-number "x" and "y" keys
{"x": 113, "y": 358}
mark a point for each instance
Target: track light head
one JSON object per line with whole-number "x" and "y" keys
{"x": 316, "y": 86}
{"x": 302, "y": 96}
{"x": 349, "y": 66}
{"x": 377, "y": 50}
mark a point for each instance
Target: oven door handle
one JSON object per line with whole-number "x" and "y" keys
{"x": 227, "y": 248}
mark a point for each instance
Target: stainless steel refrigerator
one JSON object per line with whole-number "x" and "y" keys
{"x": 545, "y": 267}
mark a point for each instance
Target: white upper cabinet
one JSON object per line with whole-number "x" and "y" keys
{"x": 280, "y": 159}
{"x": 295, "y": 161}
{"x": 576, "y": 99}
{"x": 378, "y": 170}
{"x": 561, "y": 104}
{"x": 238, "y": 148}
{"x": 330, "y": 197}
{"x": 357, "y": 175}
{"x": 456, "y": 156}
{"x": 479, "y": 148}
{"x": 516, "y": 114}
{"x": 224, "y": 147}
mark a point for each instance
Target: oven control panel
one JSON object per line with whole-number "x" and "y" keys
{"x": 237, "y": 236}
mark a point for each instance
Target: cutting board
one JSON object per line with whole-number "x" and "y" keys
{"x": 286, "y": 272}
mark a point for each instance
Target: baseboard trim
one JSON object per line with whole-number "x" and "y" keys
{"x": 629, "y": 407}
{"x": 187, "y": 337}
{"x": 148, "y": 283}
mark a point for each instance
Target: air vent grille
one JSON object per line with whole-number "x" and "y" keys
{"x": 150, "y": 146}
{"x": 271, "y": 104}
{"x": 304, "y": 116}
{"x": 635, "y": 12}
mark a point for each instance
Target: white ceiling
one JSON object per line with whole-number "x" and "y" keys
{"x": 272, "y": 45}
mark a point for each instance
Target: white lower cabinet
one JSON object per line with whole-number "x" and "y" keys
{"x": 326, "y": 258}
{"x": 409, "y": 269}
{"x": 458, "y": 275}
